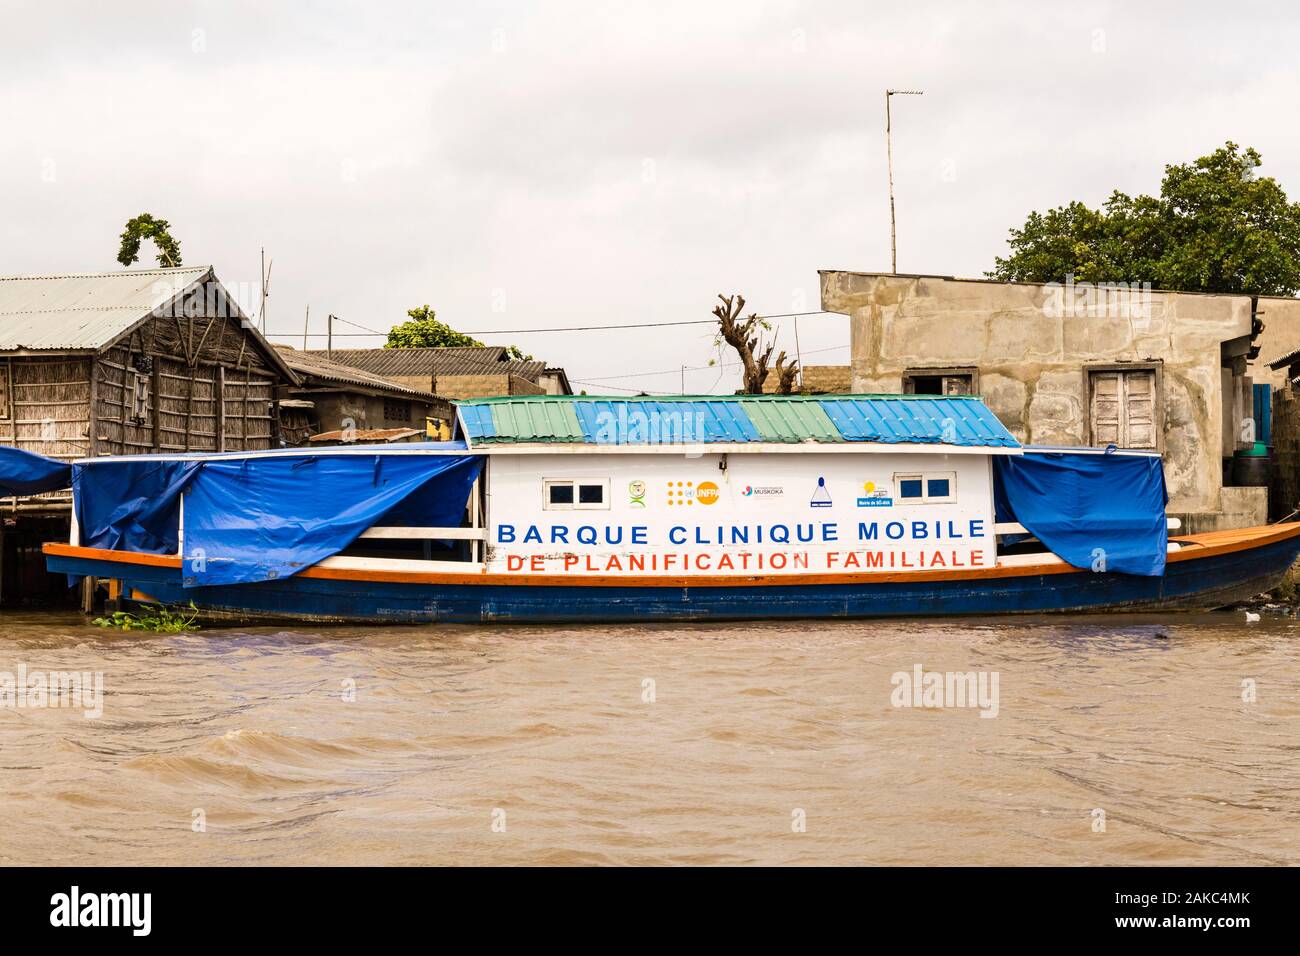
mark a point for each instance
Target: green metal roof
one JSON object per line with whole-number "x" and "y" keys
{"x": 791, "y": 421}
{"x": 536, "y": 421}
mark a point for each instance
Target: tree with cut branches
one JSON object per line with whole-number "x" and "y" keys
{"x": 145, "y": 226}
{"x": 745, "y": 335}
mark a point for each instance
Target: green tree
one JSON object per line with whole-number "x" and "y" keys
{"x": 1215, "y": 227}
{"x": 145, "y": 226}
{"x": 424, "y": 331}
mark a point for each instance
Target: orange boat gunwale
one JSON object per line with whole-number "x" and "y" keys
{"x": 1192, "y": 547}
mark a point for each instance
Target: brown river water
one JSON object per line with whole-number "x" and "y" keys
{"x": 1116, "y": 740}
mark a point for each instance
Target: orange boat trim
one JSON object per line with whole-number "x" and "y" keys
{"x": 1193, "y": 548}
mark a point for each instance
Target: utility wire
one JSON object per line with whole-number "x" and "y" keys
{"x": 696, "y": 368}
{"x": 572, "y": 328}
{"x": 619, "y": 388}
{"x": 636, "y": 325}
{"x": 355, "y": 326}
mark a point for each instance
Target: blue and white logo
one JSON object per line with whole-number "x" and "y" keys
{"x": 821, "y": 495}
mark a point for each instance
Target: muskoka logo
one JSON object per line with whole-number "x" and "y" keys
{"x": 102, "y": 909}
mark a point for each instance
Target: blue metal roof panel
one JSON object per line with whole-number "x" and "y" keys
{"x": 965, "y": 422}
{"x": 478, "y": 422}
{"x": 615, "y": 422}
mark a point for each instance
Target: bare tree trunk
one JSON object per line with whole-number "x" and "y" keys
{"x": 745, "y": 336}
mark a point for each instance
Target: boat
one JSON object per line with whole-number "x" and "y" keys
{"x": 559, "y": 509}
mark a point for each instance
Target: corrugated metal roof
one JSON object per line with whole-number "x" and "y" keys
{"x": 792, "y": 421}
{"x": 1290, "y": 358}
{"x": 413, "y": 362}
{"x": 312, "y": 366}
{"x": 622, "y": 422}
{"x": 929, "y": 420}
{"x": 535, "y": 421}
{"x": 479, "y": 425}
{"x": 84, "y": 311}
{"x": 449, "y": 361}
{"x": 955, "y": 420}
{"x": 367, "y": 435}
{"x": 524, "y": 368}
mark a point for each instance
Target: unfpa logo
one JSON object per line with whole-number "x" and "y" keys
{"x": 706, "y": 493}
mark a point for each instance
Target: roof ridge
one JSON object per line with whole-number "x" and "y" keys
{"x": 114, "y": 273}
{"x": 765, "y": 397}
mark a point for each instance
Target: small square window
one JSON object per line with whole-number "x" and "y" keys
{"x": 569, "y": 494}
{"x": 935, "y": 487}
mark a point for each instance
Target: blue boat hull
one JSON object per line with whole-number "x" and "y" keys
{"x": 1210, "y": 581}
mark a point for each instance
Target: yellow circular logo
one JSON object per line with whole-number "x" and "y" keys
{"x": 706, "y": 493}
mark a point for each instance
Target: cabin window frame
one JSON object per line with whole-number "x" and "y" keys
{"x": 925, "y": 477}
{"x": 577, "y": 504}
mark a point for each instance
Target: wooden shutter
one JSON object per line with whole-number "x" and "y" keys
{"x": 1107, "y": 404}
{"x": 1140, "y": 409}
{"x": 1123, "y": 408}
{"x": 956, "y": 384}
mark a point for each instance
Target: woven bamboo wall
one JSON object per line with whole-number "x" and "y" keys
{"x": 47, "y": 411}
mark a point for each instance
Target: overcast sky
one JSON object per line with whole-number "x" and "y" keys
{"x": 530, "y": 165}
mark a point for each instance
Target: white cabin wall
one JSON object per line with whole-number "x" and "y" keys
{"x": 516, "y": 496}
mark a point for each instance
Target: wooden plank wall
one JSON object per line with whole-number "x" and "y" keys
{"x": 209, "y": 389}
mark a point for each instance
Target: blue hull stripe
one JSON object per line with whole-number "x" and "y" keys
{"x": 1203, "y": 582}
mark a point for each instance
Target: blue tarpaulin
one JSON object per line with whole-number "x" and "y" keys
{"x": 130, "y": 504}
{"x": 25, "y": 473}
{"x": 1097, "y": 512}
{"x": 261, "y": 518}
{"x": 265, "y": 518}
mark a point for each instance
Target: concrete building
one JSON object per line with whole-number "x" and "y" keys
{"x": 1074, "y": 365}
{"x": 817, "y": 380}
{"x": 555, "y": 381}
{"x": 477, "y": 372}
